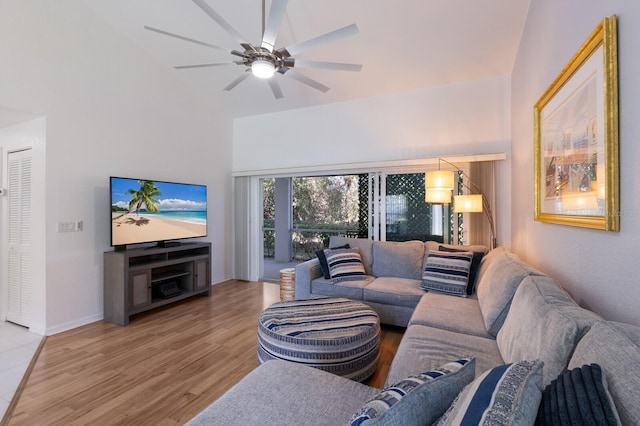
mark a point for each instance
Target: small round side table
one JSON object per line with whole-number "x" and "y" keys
{"x": 287, "y": 283}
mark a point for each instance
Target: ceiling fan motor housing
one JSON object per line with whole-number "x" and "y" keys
{"x": 262, "y": 54}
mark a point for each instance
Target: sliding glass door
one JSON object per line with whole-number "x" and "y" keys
{"x": 399, "y": 212}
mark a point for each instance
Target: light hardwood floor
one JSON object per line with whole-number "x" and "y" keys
{"x": 162, "y": 369}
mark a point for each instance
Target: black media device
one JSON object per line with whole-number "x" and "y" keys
{"x": 166, "y": 290}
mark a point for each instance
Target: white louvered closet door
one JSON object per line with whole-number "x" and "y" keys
{"x": 19, "y": 198}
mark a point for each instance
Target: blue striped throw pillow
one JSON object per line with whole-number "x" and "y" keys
{"x": 447, "y": 272}
{"x": 345, "y": 265}
{"x": 418, "y": 398}
{"x": 505, "y": 395}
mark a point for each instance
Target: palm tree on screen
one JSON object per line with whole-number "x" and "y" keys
{"x": 144, "y": 195}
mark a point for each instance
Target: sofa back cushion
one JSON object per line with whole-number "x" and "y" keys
{"x": 487, "y": 260}
{"x": 498, "y": 284}
{"x": 616, "y": 348}
{"x": 543, "y": 323}
{"x": 364, "y": 244}
{"x": 398, "y": 259}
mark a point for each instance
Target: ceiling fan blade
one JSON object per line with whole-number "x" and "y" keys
{"x": 202, "y": 4}
{"x": 237, "y": 81}
{"x": 316, "y": 42}
{"x": 272, "y": 26}
{"x": 338, "y": 66}
{"x": 308, "y": 81}
{"x": 275, "y": 88}
{"x": 184, "y": 67}
{"x": 178, "y": 36}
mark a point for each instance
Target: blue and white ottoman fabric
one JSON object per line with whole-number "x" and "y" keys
{"x": 337, "y": 335}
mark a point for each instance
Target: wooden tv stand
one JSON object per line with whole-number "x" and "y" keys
{"x": 133, "y": 278}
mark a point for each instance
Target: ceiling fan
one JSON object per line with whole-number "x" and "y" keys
{"x": 265, "y": 60}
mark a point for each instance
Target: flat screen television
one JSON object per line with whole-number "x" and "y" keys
{"x": 152, "y": 211}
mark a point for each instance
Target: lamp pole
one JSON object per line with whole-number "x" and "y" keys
{"x": 486, "y": 207}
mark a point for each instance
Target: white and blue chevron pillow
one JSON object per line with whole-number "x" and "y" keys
{"x": 422, "y": 398}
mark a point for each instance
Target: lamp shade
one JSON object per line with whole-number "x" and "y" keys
{"x": 467, "y": 203}
{"x": 263, "y": 69}
{"x": 437, "y": 196}
{"x": 439, "y": 179}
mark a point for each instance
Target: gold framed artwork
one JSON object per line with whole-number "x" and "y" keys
{"x": 576, "y": 138}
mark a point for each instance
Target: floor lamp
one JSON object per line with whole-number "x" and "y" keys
{"x": 438, "y": 186}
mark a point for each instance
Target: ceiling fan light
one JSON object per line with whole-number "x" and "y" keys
{"x": 263, "y": 69}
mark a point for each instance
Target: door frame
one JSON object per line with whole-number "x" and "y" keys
{"x": 28, "y": 134}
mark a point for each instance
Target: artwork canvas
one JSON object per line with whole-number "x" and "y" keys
{"x": 576, "y": 138}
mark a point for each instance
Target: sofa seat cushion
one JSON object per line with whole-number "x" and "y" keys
{"x": 398, "y": 259}
{"x": 284, "y": 393}
{"x": 543, "y": 323}
{"x": 349, "y": 289}
{"x": 615, "y": 347}
{"x": 392, "y": 315}
{"x": 394, "y": 291}
{"x": 423, "y": 348}
{"x": 497, "y": 285}
{"x": 461, "y": 315}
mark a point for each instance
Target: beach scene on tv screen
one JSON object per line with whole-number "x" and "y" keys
{"x": 148, "y": 211}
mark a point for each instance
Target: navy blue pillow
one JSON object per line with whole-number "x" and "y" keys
{"x": 475, "y": 264}
{"x": 578, "y": 396}
{"x": 323, "y": 260}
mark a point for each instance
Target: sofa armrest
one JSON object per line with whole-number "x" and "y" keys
{"x": 305, "y": 273}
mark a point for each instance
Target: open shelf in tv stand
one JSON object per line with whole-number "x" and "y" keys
{"x": 130, "y": 277}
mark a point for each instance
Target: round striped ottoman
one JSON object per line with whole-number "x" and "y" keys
{"x": 337, "y": 335}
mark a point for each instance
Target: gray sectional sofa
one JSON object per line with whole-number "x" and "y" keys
{"x": 394, "y": 275}
{"x": 517, "y": 313}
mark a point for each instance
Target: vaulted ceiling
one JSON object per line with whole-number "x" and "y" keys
{"x": 402, "y": 45}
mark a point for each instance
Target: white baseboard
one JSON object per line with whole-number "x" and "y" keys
{"x": 70, "y": 325}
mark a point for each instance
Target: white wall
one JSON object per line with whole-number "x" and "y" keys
{"x": 458, "y": 119}
{"x": 110, "y": 110}
{"x": 598, "y": 268}
{"x": 466, "y": 118}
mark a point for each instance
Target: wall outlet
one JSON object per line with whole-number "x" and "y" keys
{"x": 74, "y": 226}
